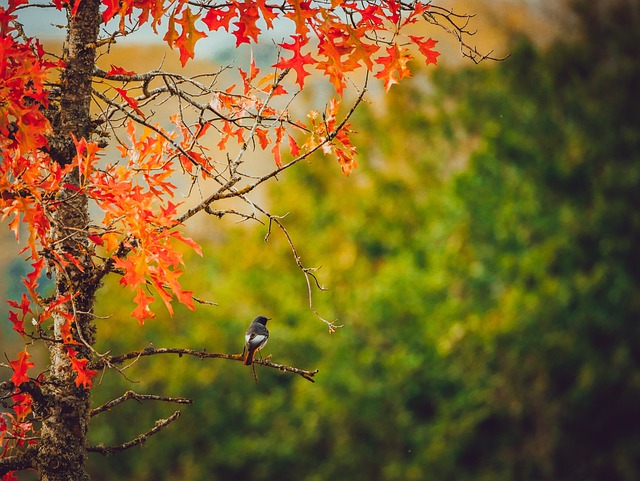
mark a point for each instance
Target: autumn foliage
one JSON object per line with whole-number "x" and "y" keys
{"x": 140, "y": 229}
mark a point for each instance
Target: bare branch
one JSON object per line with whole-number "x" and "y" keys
{"x": 107, "y": 361}
{"x": 307, "y": 271}
{"x": 138, "y": 397}
{"x": 308, "y": 375}
{"x": 160, "y": 425}
{"x": 457, "y": 25}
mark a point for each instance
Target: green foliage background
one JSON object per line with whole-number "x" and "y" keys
{"x": 484, "y": 261}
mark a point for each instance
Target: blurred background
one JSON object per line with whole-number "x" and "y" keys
{"x": 483, "y": 259}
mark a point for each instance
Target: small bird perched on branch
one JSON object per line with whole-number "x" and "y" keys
{"x": 256, "y": 338}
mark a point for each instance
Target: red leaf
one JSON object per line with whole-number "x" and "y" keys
{"x": 119, "y": 71}
{"x": 31, "y": 279}
{"x": 20, "y": 367}
{"x": 293, "y": 146}
{"x": 393, "y": 8}
{"x": 186, "y": 42}
{"x": 418, "y": 10}
{"x": 24, "y": 306}
{"x": 298, "y": 61}
{"x": 276, "y": 146}
{"x": 426, "y": 48}
{"x": 142, "y": 310}
{"x": 395, "y": 66}
{"x": 302, "y": 13}
{"x": 9, "y": 476}
{"x": 96, "y": 239}
{"x": 250, "y": 77}
{"x": 247, "y": 26}
{"x": 133, "y": 103}
{"x": 240, "y": 34}
{"x": 18, "y": 323}
{"x": 373, "y": 15}
{"x": 112, "y": 8}
{"x": 84, "y": 376}
{"x": 217, "y": 18}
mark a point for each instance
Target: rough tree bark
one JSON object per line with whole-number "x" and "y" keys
{"x": 62, "y": 449}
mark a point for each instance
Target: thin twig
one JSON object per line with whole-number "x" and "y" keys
{"x": 307, "y": 271}
{"x": 227, "y": 190}
{"x": 137, "y": 397}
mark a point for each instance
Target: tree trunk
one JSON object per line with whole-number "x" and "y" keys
{"x": 61, "y": 451}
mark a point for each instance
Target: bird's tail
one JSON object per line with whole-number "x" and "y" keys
{"x": 249, "y": 359}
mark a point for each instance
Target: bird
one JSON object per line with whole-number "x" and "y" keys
{"x": 255, "y": 338}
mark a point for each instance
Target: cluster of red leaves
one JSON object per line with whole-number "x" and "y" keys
{"x": 347, "y": 32}
{"x": 334, "y": 38}
{"x": 136, "y": 218}
{"x": 322, "y": 132}
{"x": 15, "y": 427}
{"x": 29, "y": 182}
{"x": 27, "y": 175}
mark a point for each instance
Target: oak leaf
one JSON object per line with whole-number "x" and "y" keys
{"x": 84, "y": 376}
{"x": 394, "y": 66}
{"x": 298, "y": 61}
{"x": 426, "y": 48}
{"x": 20, "y": 367}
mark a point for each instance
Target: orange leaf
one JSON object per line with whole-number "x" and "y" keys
{"x": 135, "y": 268}
{"x": 186, "y": 42}
{"x": 302, "y": 13}
{"x": 263, "y": 137}
{"x": 171, "y": 35}
{"x": 84, "y": 376}
{"x": 65, "y": 332}
{"x": 395, "y": 66}
{"x": 426, "y": 48}
{"x": 133, "y": 103}
{"x": 276, "y": 147}
{"x": 190, "y": 242}
{"x": 20, "y": 367}
{"x": 119, "y": 71}
{"x": 111, "y": 241}
{"x": 293, "y": 146}
{"x": 298, "y": 61}
{"x": 142, "y": 311}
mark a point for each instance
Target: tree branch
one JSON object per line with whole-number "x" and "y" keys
{"x": 457, "y": 25}
{"x": 107, "y": 361}
{"x": 18, "y": 462}
{"x": 228, "y": 191}
{"x": 160, "y": 425}
{"x": 138, "y": 397}
{"x": 308, "y": 375}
